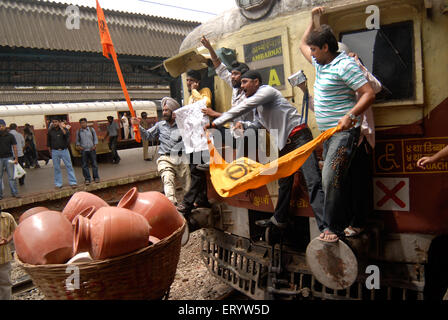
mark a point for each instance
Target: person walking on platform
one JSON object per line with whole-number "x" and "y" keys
{"x": 7, "y": 227}
{"x": 112, "y": 133}
{"x": 8, "y": 153}
{"x": 274, "y": 112}
{"x": 86, "y": 141}
{"x": 58, "y": 140}
{"x": 146, "y": 125}
{"x": 20, "y": 146}
{"x": 170, "y": 162}
{"x": 30, "y": 151}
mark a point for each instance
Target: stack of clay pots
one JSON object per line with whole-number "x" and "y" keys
{"x": 88, "y": 226}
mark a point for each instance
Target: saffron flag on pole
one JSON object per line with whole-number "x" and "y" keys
{"x": 243, "y": 174}
{"x": 108, "y": 50}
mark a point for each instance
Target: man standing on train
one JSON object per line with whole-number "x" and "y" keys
{"x": 86, "y": 141}
{"x": 8, "y": 152}
{"x": 339, "y": 81}
{"x": 274, "y": 112}
{"x": 58, "y": 140}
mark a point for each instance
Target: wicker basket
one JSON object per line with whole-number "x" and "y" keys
{"x": 145, "y": 274}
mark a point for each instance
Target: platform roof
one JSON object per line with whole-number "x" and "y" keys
{"x": 42, "y": 25}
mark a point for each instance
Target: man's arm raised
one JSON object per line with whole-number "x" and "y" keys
{"x": 316, "y": 13}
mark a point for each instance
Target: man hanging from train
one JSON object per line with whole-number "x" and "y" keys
{"x": 338, "y": 81}
{"x": 169, "y": 163}
{"x": 58, "y": 140}
{"x": 233, "y": 80}
{"x": 274, "y": 112}
{"x": 86, "y": 141}
{"x": 196, "y": 196}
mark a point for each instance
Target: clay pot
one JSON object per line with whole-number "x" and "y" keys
{"x": 44, "y": 238}
{"x": 81, "y": 200}
{"x": 161, "y": 214}
{"x": 30, "y": 212}
{"x": 110, "y": 232}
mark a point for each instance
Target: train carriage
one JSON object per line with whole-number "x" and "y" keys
{"x": 38, "y": 116}
{"x": 402, "y": 42}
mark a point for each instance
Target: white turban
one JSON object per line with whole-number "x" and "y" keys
{"x": 170, "y": 103}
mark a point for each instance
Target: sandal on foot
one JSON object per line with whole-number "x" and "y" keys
{"x": 329, "y": 233}
{"x": 352, "y": 231}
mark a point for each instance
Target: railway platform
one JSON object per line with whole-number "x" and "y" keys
{"x": 115, "y": 181}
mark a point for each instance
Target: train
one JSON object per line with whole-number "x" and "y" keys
{"x": 38, "y": 116}
{"x": 402, "y": 254}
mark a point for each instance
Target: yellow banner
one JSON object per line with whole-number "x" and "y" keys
{"x": 243, "y": 174}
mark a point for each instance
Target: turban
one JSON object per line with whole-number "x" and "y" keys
{"x": 170, "y": 103}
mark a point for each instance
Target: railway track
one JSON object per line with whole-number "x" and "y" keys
{"x": 23, "y": 285}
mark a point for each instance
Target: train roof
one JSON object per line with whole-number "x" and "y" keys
{"x": 61, "y": 108}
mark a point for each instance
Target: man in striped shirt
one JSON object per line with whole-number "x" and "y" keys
{"x": 338, "y": 80}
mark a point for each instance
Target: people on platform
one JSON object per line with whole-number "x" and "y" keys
{"x": 20, "y": 146}
{"x": 332, "y": 108}
{"x": 170, "y": 163}
{"x": 112, "y": 133}
{"x": 7, "y": 227}
{"x": 146, "y": 124}
{"x": 86, "y": 142}
{"x": 8, "y": 158}
{"x": 196, "y": 195}
{"x": 274, "y": 112}
{"x": 30, "y": 152}
{"x": 125, "y": 125}
{"x": 58, "y": 141}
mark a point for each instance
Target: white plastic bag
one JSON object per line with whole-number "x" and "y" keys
{"x": 19, "y": 172}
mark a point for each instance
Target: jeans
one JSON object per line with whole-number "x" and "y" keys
{"x": 86, "y": 157}
{"x": 312, "y": 176}
{"x": 9, "y": 167}
{"x": 361, "y": 188}
{"x": 64, "y": 155}
{"x": 113, "y": 148}
{"x": 338, "y": 153}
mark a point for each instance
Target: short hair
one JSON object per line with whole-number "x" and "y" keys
{"x": 82, "y": 119}
{"x": 144, "y": 114}
{"x": 252, "y": 74}
{"x": 194, "y": 74}
{"x": 12, "y": 126}
{"x": 321, "y": 36}
{"x": 239, "y": 66}
{"x": 110, "y": 117}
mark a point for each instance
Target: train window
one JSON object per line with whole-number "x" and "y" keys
{"x": 388, "y": 53}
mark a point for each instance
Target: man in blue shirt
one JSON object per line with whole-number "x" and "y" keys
{"x": 169, "y": 164}
{"x": 86, "y": 141}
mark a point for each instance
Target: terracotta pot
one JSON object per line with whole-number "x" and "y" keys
{"x": 110, "y": 232}
{"x": 81, "y": 200}
{"x": 161, "y": 214}
{"x": 30, "y": 212}
{"x": 44, "y": 238}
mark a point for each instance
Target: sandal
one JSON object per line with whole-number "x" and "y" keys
{"x": 328, "y": 233}
{"x": 352, "y": 231}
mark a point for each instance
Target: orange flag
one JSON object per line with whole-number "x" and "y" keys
{"x": 243, "y": 174}
{"x": 108, "y": 50}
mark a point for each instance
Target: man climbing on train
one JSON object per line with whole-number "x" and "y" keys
{"x": 274, "y": 112}
{"x": 339, "y": 81}
{"x": 169, "y": 163}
